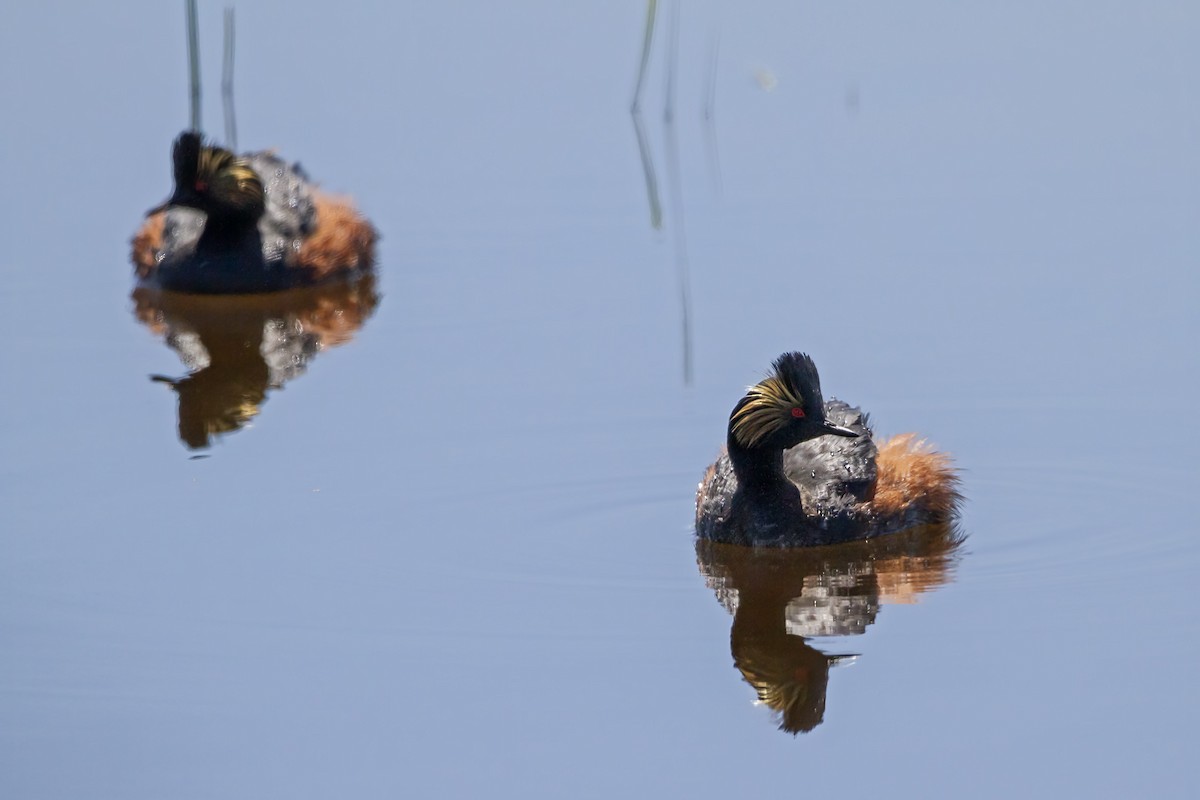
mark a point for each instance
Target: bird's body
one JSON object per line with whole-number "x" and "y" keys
{"x": 242, "y": 224}
{"x": 783, "y": 481}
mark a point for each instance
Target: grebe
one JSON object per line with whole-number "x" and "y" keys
{"x": 798, "y": 471}
{"x": 249, "y": 223}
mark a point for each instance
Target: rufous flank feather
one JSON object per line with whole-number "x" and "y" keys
{"x": 147, "y": 244}
{"x": 341, "y": 240}
{"x": 912, "y": 474}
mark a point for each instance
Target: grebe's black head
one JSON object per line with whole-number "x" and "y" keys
{"x": 213, "y": 180}
{"x": 782, "y": 410}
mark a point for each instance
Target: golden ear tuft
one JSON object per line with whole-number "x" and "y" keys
{"x": 766, "y": 409}
{"x": 231, "y": 180}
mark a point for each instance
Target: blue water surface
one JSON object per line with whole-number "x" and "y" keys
{"x": 454, "y": 556}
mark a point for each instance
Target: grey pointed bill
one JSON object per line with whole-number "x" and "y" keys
{"x": 837, "y": 430}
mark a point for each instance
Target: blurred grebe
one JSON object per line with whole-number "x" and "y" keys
{"x": 798, "y": 471}
{"x": 249, "y": 223}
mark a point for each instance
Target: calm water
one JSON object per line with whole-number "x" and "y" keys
{"x": 452, "y": 555}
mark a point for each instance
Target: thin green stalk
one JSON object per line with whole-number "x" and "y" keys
{"x": 651, "y": 13}
{"x": 227, "y": 84}
{"x": 193, "y": 63}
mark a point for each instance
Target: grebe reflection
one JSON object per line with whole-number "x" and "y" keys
{"x": 782, "y": 597}
{"x": 239, "y": 348}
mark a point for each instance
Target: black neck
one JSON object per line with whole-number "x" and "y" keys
{"x": 225, "y": 229}
{"x": 760, "y": 469}
{"x": 765, "y": 504}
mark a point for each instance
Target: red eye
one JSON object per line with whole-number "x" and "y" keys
{"x": 798, "y": 412}
{"x": 201, "y": 186}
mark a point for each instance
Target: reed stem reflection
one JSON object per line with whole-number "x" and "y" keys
{"x": 674, "y": 177}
